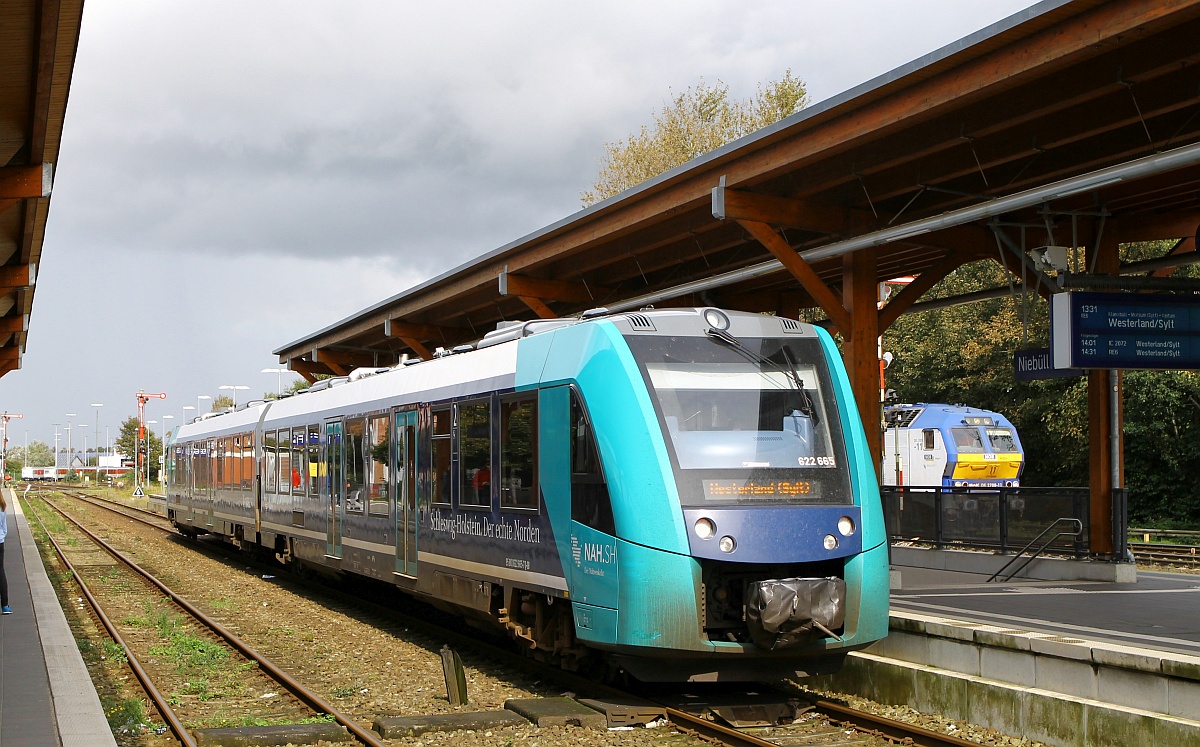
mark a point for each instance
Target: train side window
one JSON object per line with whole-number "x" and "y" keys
{"x": 930, "y": 444}
{"x": 518, "y": 453}
{"x": 234, "y": 463}
{"x": 378, "y": 446}
{"x": 440, "y": 452}
{"x": 590, "y": 503}
{"x": 283, "y": 462}
{"x": 314, "y": 461}
{"x": 248, "y": 460}
{"x": 268, "y": 461}
{"x": 475, "y": 453}
{"x": 299, "y": 460}
{"x": 356, "y": 437}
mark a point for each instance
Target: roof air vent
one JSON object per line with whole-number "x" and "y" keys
{"x": 790, "y": 325}
{"x": 640, "y": 322}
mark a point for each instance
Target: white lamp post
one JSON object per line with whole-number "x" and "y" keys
{"x": 199, "y": 411}
{"x": 234, "y": 389}
{"x": 70, "y": 448}
{"x": 55, "y": 451}
{"x": 187, "y": 419}
{"x": 149, "y": 422}
{"x": 97, "y": 405}
{"x": 278, "y": 378}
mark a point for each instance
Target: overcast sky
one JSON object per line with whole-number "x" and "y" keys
{"x": 236, "y": 175}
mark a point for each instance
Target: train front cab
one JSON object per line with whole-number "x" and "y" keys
{"x": 665, "y": 601}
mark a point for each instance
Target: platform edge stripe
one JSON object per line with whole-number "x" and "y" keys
{"x": 77, "y": 708}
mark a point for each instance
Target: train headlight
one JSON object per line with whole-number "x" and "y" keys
{"x": 716, "y": 319}
{"x": 831, "y": 542}
{"x": 705, "y": 529}
{"x": 846, "y": 526}
{"x": 727, "y": 544}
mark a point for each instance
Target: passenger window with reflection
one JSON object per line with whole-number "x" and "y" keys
{"x": 378, "y": 446}
{"x": 590, "y": 502}
{"x": 314, "y": 461}
{"x": 518, "y": 454}
{"x": 475, "y": 453}
{"x": 268, "y": 461}
{"x": 441, "y": 444}
{"x": 356, "y": 484}
{"x": 284, "y": 461}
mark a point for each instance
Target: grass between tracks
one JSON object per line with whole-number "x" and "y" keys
{"x": 202, "y": 669}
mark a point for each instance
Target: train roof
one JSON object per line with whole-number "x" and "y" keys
{"x": 933, "y": 415}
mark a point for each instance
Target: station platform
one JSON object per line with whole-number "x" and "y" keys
{"x": 46, "y": 695}
{"x": 1082, "y": 654}
{"x": 1158, "y": 611}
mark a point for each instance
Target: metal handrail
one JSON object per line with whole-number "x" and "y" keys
{"x": 1078, "y": 531}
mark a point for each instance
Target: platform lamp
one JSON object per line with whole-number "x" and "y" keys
{"x": 55, "y": 450}
{"x": 234, "y": 389}
{"x": 279, "y": 372}
{"x": 97, "y": 405}
{"x": 149, "y": 422}
{"x": 186, "y": 419}
{"x": 200, "y": 412}
{"x": 70, "y": 448}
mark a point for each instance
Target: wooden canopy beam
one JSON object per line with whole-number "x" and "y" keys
{"x": 14, "y": 324}
{"x": 17, "y": 276}
{"x": 415, "y": 345}
{"x": 538, "y": 307}
{"x": 26, "y": 181}
{"x": 402, "y": 329}
{"x": 307, "y": 369}
{"x": 739, "y": 205}
{"x": 550, "y": 290}
{"x": 826, "y": 297}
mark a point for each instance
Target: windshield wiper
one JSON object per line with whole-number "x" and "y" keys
{"x": 807, "y": 405}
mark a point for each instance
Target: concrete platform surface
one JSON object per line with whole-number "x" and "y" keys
{"x": 1159, "y": 611}
{"x": 46, "y": 694}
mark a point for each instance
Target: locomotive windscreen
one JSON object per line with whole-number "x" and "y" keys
{"x": 746, "y": 422}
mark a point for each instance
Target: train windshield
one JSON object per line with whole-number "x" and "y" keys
{"x": 1002, "y": 440}
{"x": 747, "y": 421}
{"x": 967, "y": 440}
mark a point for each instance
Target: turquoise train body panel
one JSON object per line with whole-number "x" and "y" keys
{"x": 684, "y": 494}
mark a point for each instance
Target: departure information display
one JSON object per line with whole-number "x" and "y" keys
{"x": 1125, "y": 330}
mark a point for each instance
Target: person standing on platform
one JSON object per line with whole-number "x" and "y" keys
{"x": 4, "y": 608}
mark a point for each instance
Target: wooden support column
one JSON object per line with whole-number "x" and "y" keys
{"x": 861, "y": 347}
{"x": 1100, "y": 430}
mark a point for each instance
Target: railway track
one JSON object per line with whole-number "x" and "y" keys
{"x": 307, "y": 704}
{"x": 821, "y": 722}
{"x": 1182, "y": 555}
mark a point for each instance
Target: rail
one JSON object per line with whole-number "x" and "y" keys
{"x": 1078, "y": 531}
{"x": 997, "y": 519}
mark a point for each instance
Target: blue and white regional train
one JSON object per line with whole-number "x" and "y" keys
{"x": 683, "y": 494}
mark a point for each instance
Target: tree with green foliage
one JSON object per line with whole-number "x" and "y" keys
{"x": 694, "y": 122}
{"x": 127, "y": 439}
{"x": 222, "y": 403}
{"x": 40, "y": 455}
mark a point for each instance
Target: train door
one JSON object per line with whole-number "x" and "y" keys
{"x": 405, "y": 488}
{"x": 189, "y": 484}
{"x": 337, "y": 487}
{"x": 212, "y": 479}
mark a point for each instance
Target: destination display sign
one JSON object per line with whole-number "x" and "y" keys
{"x": 752, "y": 488}
{"x": 1125, "y": 330}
